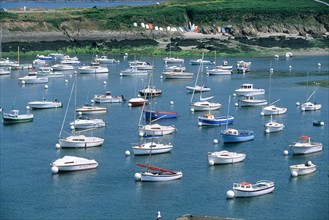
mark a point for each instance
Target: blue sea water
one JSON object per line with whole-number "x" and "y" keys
{"x": 30, "y": 191}
{"x": 72, "y": 4}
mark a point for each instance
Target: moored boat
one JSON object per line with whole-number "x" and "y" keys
{"x": 273, "y": 126}
{"x": 80, "y": 141}
{"x": 150, "y": 114}
{"x": 14, "y": 117}
{"x": 137, "y": 101}
{"x": 92, "y": 69}
{"x": 85, "y": 123}
{"x": 302, "y": 169}
{"x": 249, "y": 101}
{"x": 231, "y": 135}
{"x": 247, "y": 89}
{"x": 212, "y": 120}
{"x": 87, "y": 109}
{"x": 152, "y": 148}
{"x": 45, "y": 104}
{"x": 245, "y": 189}
{"x": 155, "y": 130}
{"x": 304, "y": 145}
{"x": 156, "y": 174}
{"x": 225, "y": 157}
{"x": 108, "y": 98}
{"x": 72, "y": 163}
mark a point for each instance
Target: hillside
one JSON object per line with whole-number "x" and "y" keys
{"x": 231, "y": 26}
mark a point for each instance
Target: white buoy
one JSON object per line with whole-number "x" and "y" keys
{"x": 72, "y": 127}
{"x": 262, "y": 114}
{"x": 297, "y": 103}
{"x": 236, "y": 104}
{"x": 319, "y": 64}
{"x": 290, "y": 67}
{"x": 215, "y": 141}
{"x": 271, "y": 70}
{"x": 267, "y": 131}
{"x": 234, "y": 94}
{"x": 80, "y": 113}
{"x": 211, "y": 162}
{"x": 321, "y": 123}
{"x": 230, "y": 194}
{"x": 58, "y": 146}
{"x": 92, "y": 101}
{"x": 161, "y": 77}
{"x": 286, "y": 152}
{"x": 104, "y": 82}
{"x": 192, "y": 109}
{"x": 54, "y": 170}
{"x": 28, "y": 107}
{"x": 171, "y": 102}
{"x": 46, "y": 86}
{"x": 130, "y": 105}
{"x": 127, "y": 153}
{"x": 66, "y": 81}
{"x": 23, "y": 82}
{"x": 294, "y": 173}
{"x": 141, "y": 134}
{"x": 121, "y": 74}
{"x": 137, "y": 176}
{"x": 200, "y": 123}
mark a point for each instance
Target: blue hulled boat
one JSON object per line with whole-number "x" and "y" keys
{"x": 231, "y": 135}
{"x": 210, "y": 119}
{"x": 149, "y": 114}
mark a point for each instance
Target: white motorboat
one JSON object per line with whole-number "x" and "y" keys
{"x": 4, "y": 71}
{"x": 249, "y": 101}
{"x": 32, "y": 78}
{"x": 219, "y": 71}
{"x": 303, "y": 145}
{"x": 152, "y": 148}
{"x": 155, "y": 130}
{"x": 80, "y": 141}
{"x": 141, "y": 65}
{"x": 155, "y": 174}
{"x": 85, "y": 122}
{"x": 243, "y": 66}
{"x": 108, "y": 98}
{"x": 177, "y": 74}
{"x": 45, "y": 104}
{"x": 137, "y": 101}
{"x": 204, "y": 105}
{"x": 225, "y": 157}
{"x": 133, "y": 71}
{"x": 302, "y": 169}
{"x": 62, "y": 67}
{"x": 104, "y": 60}
{"x": 14, "y": 117}
{"x": 247, "y": 89}
{"x": 150, "y": 91}
{"x": 169, "y": 60}
{"x": 92, "y": 69}
{"x": 273, "y": 126}
{"x": 245, "y": 189}
{"x": 88, "y": 109}
{"x": 72, "y": 163}
{"x": 197, "y": 88}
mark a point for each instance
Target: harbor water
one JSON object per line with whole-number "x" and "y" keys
{"x": 30, "y": 191}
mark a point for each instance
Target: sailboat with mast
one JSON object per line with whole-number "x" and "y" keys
{"x": 311, "y": 106}
{"x": 203, "y": 104}
{"x": 77, "y": 140}
{"x": 231, "y": 135}
{"x": 152, "y": 129}
{"x": 272, "y": 109}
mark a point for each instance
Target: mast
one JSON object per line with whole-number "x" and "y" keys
{"x": 228, "y": 110}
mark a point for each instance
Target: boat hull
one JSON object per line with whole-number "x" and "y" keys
{"x": 80, "y": 142}
{"x": 148, "y": 149}
{"x": 302, "y": 169}
{"x": 156, "y": 177}
{"x": 44, "y": 104}
{"x": 306, "y": 149}
{"x": 240, "y": 193}
{"x": 155, "y": 130}
{"x": 273, "y": 110}
{"x": 217, "y": 121}
{"x": 7, "y": 119}
{"x": 159, "y": 114}
{"x": 241, "y": 137}
{"x": 224, "y": 157}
